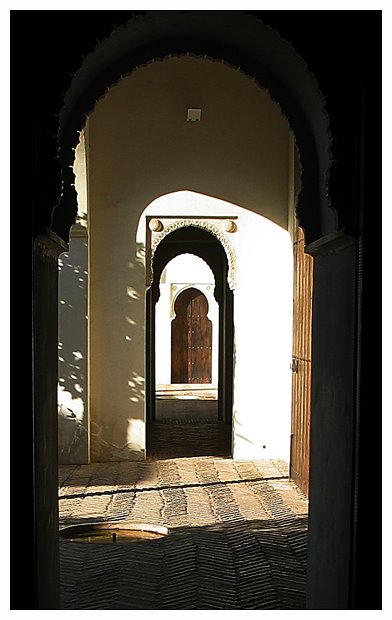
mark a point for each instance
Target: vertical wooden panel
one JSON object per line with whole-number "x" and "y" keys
{"x": 201, "y": 341}
{"x": 179, "y": 336}
{"x": 301, "y": 363}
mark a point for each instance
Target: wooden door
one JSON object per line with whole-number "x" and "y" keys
{"x": 301, "y": 364}
{"x": 191, "y": 333}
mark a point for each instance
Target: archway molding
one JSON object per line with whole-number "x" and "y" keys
{"x": 215, "y": 226}
{"x": 234, "y": 38}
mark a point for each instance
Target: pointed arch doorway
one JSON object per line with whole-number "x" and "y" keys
{"x": 200, "y": 432}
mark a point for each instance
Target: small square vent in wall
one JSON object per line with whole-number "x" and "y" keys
{"x": 193, "y": 114}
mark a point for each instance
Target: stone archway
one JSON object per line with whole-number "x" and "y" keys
{"x": 200, "y": 242}
{"x": 217, "y": 437}
{"x": 221, "y": 228}
{"x": 253, "y": 52}
{"x": 335, "y": 286}
{"x": 289, "y": 82}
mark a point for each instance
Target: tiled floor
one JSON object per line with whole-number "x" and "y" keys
{"x": 187, "y": 428}
{"x": 237, "y": 535}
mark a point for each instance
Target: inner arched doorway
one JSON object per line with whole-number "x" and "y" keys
{"x": 191, "y": 339}
{"x": 212, "y": 423}
{"x": 182, "y": 273}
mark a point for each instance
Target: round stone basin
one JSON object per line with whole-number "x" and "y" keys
{"x": 114, "y": 532}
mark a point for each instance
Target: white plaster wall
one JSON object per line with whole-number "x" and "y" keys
{"x": 72, "y": 388}
{"x": 263, "y": 307}
{"x": 140, "y": 147}
{"x": 72, "y": 399}
{"x": 193, "y": 271}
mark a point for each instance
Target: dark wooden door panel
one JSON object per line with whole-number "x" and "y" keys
{"x": 201, "y": 339}
{"x": 191, "y": 339}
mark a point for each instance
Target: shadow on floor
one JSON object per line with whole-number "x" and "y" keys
{"x": 258, "y": 564}
{"x": 187, "y": 428}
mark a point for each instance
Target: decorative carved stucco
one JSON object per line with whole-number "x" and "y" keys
{"x": 205, "y": 224}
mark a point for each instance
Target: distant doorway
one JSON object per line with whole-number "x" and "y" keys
{"x": 191, "y": 339}
{"x": 190, "y": 413}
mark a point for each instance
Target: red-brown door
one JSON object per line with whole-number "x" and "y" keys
{"x": 301, "y": 364}
{"x": 191, "y": 333}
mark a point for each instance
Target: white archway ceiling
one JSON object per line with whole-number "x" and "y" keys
{"x": 236, "y": 152}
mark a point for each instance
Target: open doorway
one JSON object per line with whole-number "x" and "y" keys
{"x": 190, "y": 380}
{"x": 216, "y": 181}
{"x": 187, "y": 335}
{"x": 302, "y": 102}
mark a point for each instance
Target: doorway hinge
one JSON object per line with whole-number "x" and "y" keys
{"x": 294, "y": 365}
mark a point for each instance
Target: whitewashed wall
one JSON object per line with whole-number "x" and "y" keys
{"x": 72, "y": 388}
{"x": 263, "y": 305}
{"x": 73, "y": 411}
{"x": 140, "y": 147}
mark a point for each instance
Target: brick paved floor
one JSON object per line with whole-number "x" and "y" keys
{"x": 237, "y": 535}
{"x": 185, "y": 428}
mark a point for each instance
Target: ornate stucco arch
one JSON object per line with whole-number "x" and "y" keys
{"x": 214, "y": 226}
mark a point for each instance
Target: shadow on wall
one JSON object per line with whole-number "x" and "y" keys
{"x": 73, "y": 439}
{"x": 72, "y": 360}
{"x": 117, "y": 357}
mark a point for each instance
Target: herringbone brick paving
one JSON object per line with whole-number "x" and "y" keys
{"x": 237, "y": 535}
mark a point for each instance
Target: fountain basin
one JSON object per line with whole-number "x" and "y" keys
{"x": 115, "y": 532}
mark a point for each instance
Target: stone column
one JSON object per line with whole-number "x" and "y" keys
{"x": 332, "y": 423}
{"x": 45, "y": 443}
